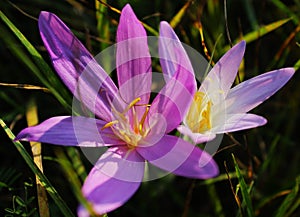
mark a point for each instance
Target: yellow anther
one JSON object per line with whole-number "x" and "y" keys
{"x": 127, "y": 124}
{"x": 109, "y": 124}
{"x": 135, "y": 101}
{"x": 143, "y": 120}
{"x": 199, "y": 116}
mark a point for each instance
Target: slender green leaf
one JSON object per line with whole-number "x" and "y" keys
{"x": 219, "y": 178}
{"x": 177, "y": 18}
{"x": 279, "y": 4}
{"x": 248, "y": 5}
{"x": 41, "y": 68}
{"x": 267, "y": 161}
{"x": 244, "y": 189}
{"x": 44, "y": 180}
{"x": 102, "y": 23}
{"x": 215, "y": 200}
{"x": 73, "y": 179}
{"x": 297, "y": 65}
{"x": 77, "y": 162}
{"x": 254, "y": 35}
{"x": 289, "y": 201}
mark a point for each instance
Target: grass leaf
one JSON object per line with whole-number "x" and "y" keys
{"x": 263, "y": 30}
{"x": 40, "y": 68}
{"x": 244, "y": 189}
{"x": 177, "y": 18}
{"x": 286, "y": 10}
{"x": 286, "y": 205}
{"x": 44, "y": 180}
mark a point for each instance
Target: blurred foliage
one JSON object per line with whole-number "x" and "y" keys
{"x": 265, "y": 172}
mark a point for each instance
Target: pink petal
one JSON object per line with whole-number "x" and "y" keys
{"x": 173, "y": 100}
{"x": 180, "y": 157}
{"x": 249, "y": 94}
{"x": 70, "y": 131}
{"x": 105, "y": 187}
{"x": 196, "y": 137}
{"x": 219, "y": 80}
{"x": 238, "y": 122}
{"x": 133, "y": 59}
{"x": 70, "y": 59}
{"x": 172, "y": 54}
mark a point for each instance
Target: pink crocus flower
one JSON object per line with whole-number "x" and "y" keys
{"x": 217, "y": 108}
{"x": 133, "y": 130}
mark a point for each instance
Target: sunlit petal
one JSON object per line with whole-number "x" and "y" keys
{"x": 250, "y": 93}
{"x": 70, "y": 131}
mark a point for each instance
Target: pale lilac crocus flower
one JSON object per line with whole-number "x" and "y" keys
{"x": 217, "y": 108}
{"x": 133, "y": 131}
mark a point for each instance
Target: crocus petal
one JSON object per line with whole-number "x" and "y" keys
{"x": 70, "y": 59}
{"x": 219, "y": 80}
{"x": 238, "y": 122}
{"x": 113, "y": 180}
{"x": 196, "y": 137}
{"x": 180, "y": 157}
{"x": 249, "y": 94}
{"x": 133, "y": 58}
{"x": 171, "y": 52}
{"x": 71, "y": 131}
{"x": 172, "y": 102}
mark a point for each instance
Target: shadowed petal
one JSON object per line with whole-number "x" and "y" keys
{"x": 70, "y": 131}
{"x": 196, "y": 137}
{"x": 133, "y": 58}
{"x": 254, "y": 91}
{"x": 180, "y": 157}
{"x": 103, "y": 186}
{"x": 238, "y": 122}
{"x": 219, "y": 80}
{"x": 70, "y": 59}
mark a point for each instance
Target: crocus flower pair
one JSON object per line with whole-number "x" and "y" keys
{"x": 133, "y": 130}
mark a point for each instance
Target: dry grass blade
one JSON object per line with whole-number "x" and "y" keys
{"x": 36, "y": 148}
{"x": 26, "y": 86}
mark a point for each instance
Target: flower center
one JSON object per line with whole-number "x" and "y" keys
{"x": 198, "y": 118}
{"x": 127, "y": 125}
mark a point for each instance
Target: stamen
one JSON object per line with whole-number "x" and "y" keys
{"x": 135, "y": 101}
{"x": 109, "y": 124}
{"x": 199, "y": 115}
{"x": 126, "y": 126}
{"x": 143, "y": 120}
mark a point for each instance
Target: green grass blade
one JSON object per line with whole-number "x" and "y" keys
{"x": 73, "y": 179}
{"x": 215, "y": 200}
{"x": 297, "y": 65}
{"x": 248, "y": 5}
{"x": 177, "y": 18}
{"x": 289, "y": 201}
{"x": 102, "y": 23}
{"x": 44, "y": 180}
{"x": 77, "y": 162}
{"x": 219, "y": 178}
{"x": 270, "y": 156}
{"x": 42, "y": 71}
{"x": 244, "y": 189}
{"x": 254, "y": 35}
{"x": 286, "y": 10}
